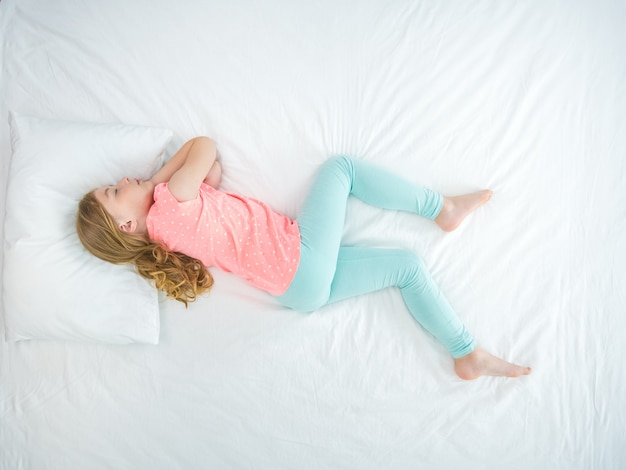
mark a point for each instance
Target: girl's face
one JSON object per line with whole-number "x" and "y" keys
{"x": 128, "y": 202}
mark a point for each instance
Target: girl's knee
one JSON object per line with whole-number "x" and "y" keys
{"x": 407, "y": 258}
{"x": 340, "y": 163}
{"x": 415, "y": 271}
{"x": 339, "y": 160}
{"x": 416, "y": 261}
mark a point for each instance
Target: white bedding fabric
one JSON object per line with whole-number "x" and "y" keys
{"x": 527, "y": 97}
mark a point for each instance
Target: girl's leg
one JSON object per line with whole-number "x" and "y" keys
{"x": 322, "y": 219}
{"x": 363, "y": 270}
{"x": 321, "y": 226}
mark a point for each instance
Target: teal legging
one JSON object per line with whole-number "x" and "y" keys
{"x": 329, "y": 272}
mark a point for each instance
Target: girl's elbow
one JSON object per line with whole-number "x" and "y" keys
{"x": 204, "y": 139}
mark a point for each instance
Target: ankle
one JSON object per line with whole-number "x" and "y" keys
{"x": 447, "y": 206}
{"x": 446, "y": 215}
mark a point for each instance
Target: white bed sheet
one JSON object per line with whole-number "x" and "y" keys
{"x": 528, "y": 98}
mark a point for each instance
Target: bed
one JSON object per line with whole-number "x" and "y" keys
{"x": 527, "y": 98}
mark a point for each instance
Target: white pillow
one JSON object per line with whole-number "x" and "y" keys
{"x": 52, "y": 287}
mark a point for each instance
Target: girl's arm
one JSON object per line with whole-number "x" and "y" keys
{"x": 176, "y": 162}
{"x": 214, "y": 177}
{"x": 173, "y": 164}
{"x": 188, "y": 168}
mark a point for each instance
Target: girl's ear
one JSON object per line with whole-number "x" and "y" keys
{"x": 129, "y": 226}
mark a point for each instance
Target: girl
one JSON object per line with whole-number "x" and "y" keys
{"x": 177, "y": 223}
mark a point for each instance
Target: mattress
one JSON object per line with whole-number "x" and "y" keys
{"x": 526, "y": 98}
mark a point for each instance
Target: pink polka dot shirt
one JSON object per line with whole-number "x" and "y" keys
{"x": 234, "y": 233}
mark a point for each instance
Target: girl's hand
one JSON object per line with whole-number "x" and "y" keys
{"x": 215, "y": 175}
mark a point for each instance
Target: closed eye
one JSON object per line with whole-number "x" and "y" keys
{"x": 107, "y": 191}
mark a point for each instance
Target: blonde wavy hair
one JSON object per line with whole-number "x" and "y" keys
{"x": 180, "y": 276}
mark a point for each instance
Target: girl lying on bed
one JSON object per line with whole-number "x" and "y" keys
{"x": 176, "y": 224}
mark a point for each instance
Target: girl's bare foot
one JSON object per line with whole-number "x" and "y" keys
{"x": 480, "y": 362}
{"x": 456, "y": 208}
